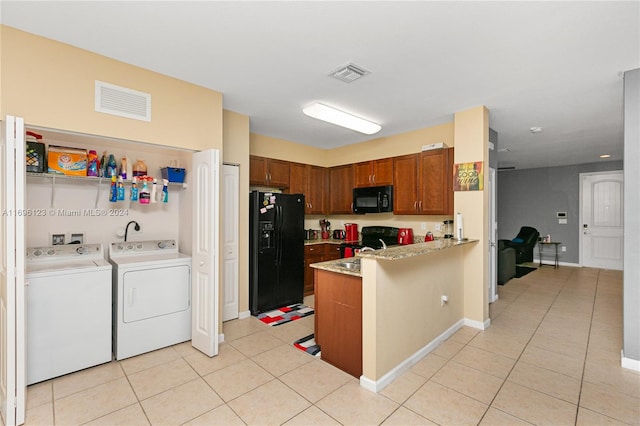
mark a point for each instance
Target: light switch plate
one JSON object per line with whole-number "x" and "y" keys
{"x": 562, "y": 221}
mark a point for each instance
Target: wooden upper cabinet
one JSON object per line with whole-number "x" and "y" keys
{"x": 318, "y": 190}
{"x": 373, "y": 173}
{"x": 312, "y": 182}
{"x": 405, "y": 192}
{"x": 435, "y": 175}
{"x": 424, "y": 183}
{"x": 341, "y": 189}
{"x": 268, "y": 171}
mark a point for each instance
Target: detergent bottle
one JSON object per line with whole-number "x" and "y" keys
{"x": 134, "y": 189}
{"x": 144, "y": 192}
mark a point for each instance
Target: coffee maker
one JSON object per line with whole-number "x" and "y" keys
{"x": 448, "y": 228}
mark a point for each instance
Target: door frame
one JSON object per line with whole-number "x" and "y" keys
{"x": 493, "y": 235}
{"x": 581, "y": 208}
{"x": 232, "y": 220}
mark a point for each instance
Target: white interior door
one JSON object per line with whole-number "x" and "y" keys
{"x": 602, "y": 225}
{"x": 204, "y": 256}
{"x": 493, "y": 235}
{"x": 230, "y": 216}
{"x": 12, "y": 305}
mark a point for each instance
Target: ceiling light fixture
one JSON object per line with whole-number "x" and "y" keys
{"x": 341, "y": 118}
{"x": 605, "y": 156}
{"x": 535, "y": 129}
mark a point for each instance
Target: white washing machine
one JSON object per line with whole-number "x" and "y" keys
{"x": 151, "y": 295}
{"x": 68, "y": 304}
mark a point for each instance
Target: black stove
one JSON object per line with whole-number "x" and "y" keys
{"x": 371, "y": 236}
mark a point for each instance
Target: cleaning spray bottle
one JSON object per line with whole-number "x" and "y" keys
{"x": 120, "y": 194}
{"x": 113, "y": 192}
{"x": 144, "y": 191}
{"x": 134, "y": 189}
{"x": 165, "y": 191}
{"x": 154, "y": 195}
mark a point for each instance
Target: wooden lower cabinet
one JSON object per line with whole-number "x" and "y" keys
{"x": 338, "y": 320}
{"x": 315, "y": 253}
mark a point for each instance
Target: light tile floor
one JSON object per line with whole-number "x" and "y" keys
{"x": 550, "y": 357}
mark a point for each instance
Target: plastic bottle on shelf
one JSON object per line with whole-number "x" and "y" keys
{"x": 120, "y": 189}
{"x": 144, "y": 191}
{"x": 165, "y": 191}
{"x": 102, "y": 167}
{"x": 113, "y": 192}
{"x": 123, "y": 168}
{"x": 153, "y": 198}
{"x": 92, "y": 165}
{"x": 134, "y": 189}
{"x": 140, "y": 168}
{"x": 112, "y": 166}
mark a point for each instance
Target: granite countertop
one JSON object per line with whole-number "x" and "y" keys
{"x": 321, "y": 241}
{"x": 391, "y": 253}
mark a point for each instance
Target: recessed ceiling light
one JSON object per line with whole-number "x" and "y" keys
{"x": 535, "y": 129}
{"x": 605, "y": 156}
{"x": 341, "y": 118}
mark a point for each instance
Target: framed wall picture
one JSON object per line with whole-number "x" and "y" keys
{"x": 468, "y": 176}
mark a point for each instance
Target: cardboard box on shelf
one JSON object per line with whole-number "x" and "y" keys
{"x": 67, "y": 161}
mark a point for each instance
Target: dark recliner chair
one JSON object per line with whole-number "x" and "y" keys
{"x": 524, "y": 243}
{"x": 506, "y": 262}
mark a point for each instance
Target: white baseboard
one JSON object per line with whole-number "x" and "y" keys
{"x": 631, "y": 364}
{"x": 477, "y": 324}
{"x": 220, "y": 337}
{"x": 549, "y": 263}
{"x": 243, "y": 315}
{"x": 397, "y": 371}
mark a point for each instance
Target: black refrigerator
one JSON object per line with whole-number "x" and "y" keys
{"x": 276, "y": 250}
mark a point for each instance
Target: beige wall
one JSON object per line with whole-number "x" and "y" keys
{"x": 281, "y": 149}
{"x": 472, "y": 144}
{"x": 52, "y": 85}
{"x": 236, "y": 151}
{"x": 405, "y": 295}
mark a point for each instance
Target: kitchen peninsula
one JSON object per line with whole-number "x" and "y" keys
{"x": 392, "y": 308}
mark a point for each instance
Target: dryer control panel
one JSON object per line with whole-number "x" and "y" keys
{"x": 142, "y": 247}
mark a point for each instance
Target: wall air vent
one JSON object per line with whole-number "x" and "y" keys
{"x": 123, "y": 102}
{"x": 349, "y": 73}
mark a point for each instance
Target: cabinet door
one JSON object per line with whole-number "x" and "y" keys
{"x": 382, "y": 172}
{"x": 405, "y": 190}
{"x": 435, "y": 177}
{"x": 317, "y": 190}
{"x": 363, "y": 174}
{"x": 331, "y": 251}
{"x": 341, "y": 189}
{"x": 278, "y": 173}
{"x": 299, "y": 179}
{"x": 312, "y": 254}
{"x": 257, "y": 170}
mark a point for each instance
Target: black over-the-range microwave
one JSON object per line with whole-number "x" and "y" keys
{"x": 375, "y": 199}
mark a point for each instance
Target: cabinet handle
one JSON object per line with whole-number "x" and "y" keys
{"x": 373, "y": 178}
{"x": 420, "y": 205}
{"x": 415, "y": 205}
{"x": 310, "y": 205}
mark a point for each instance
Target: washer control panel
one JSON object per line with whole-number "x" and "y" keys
{"x": 142, "y": 247}
{"x": 64, "y": 252}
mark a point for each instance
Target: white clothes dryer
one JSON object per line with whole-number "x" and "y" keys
{"x": 151, "y": 294}
{"x": 68, "y": 304}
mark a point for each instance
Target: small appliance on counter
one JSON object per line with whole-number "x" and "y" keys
{"x": 448, "y": 228}
{"x": 351, "y": 230}
{"x": 339, "y": 234}
{"x": 405, "y": 236}
{"x": 428, "y": 237}
{"x": 325, "y": 227}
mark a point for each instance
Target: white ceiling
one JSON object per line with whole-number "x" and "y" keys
{"x": 557, "y": 65}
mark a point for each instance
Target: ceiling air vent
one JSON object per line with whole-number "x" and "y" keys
{"x": 349, "y": 73}
{"x": 123, "y": 102}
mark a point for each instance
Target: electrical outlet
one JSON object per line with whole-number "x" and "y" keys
{"x": 57, "y": 239}
{"x": 564, "y": 249}
{"x": 423, "y": 226}
{"x": 438, "y": 227}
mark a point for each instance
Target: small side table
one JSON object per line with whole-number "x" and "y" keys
{"x": 541, "y": 244}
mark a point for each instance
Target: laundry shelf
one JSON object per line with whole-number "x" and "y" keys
{"x": 87, "y": 179}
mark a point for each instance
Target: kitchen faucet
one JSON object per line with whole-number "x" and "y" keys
{"x": 366, "y": 249}
{"x": 384, "y": 245}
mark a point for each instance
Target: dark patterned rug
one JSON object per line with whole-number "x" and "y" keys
{"x": 285, "y": 314}
{"x": 521, "y": 271}
{"x": 308, "y": 344}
